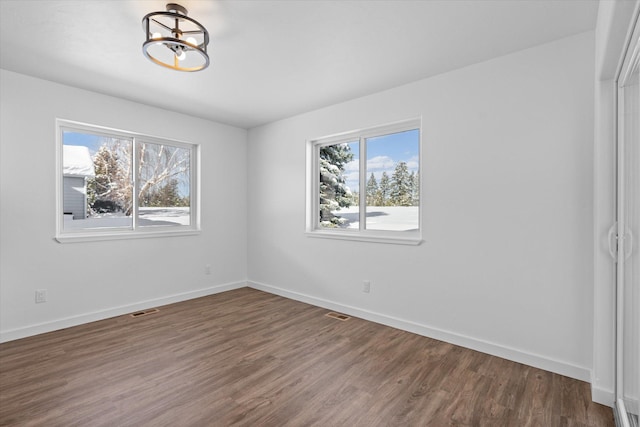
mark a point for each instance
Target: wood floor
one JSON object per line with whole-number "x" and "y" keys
{"x": 247, "y": 358}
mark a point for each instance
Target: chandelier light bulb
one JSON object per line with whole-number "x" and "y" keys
{"x": 192, "y": 41}
{"x": 181, "y": 54}
{"x": 156, "y": 36}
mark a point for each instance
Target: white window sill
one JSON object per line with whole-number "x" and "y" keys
{"x": 413, "y": 239}
{"x": 122, "y": 235}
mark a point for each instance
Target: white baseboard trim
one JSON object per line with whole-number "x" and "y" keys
{"x": 530, "y": 359}
{"x": 67, "y": 322}
{"x": 602, "y": 396}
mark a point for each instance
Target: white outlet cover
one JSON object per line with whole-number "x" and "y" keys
{"x": 41, "y": 295}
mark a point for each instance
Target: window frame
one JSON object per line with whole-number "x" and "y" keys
{"x": 313, "y": 146}
{"x": 135, "y": 231}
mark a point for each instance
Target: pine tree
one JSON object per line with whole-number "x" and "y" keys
{"x": 412, "y": 180}
{"x": 111, "y": 183}
{"x": 169, "y": 194}
{"x": 166, "y": 196}
{"x": 384, "y": 191}
{"x": 401, "y": 186}
{"x": 334, "y": 193}
{"x": 416, "y": 189}
{"x": 372, "y": 191}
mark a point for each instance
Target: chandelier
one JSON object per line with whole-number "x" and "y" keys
{"x": 175, "y": 40}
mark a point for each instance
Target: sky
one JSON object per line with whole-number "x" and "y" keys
{"x": 93, "y": 142}
{"x": 383, "y": 154}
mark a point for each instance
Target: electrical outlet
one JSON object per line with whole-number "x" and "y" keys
{"x": 207, "y": 269}
{"x": 366, "y": 286}
{"x": 41, "y": 295}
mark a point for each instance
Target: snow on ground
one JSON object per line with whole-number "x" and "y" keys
{"x": 395, "y": 218}
{"x": 146, "y": 216}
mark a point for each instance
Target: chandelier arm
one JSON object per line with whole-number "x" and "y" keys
{"x": 161, "y": 24}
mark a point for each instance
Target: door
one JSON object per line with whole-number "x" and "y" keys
{"x": 628, "y": 226}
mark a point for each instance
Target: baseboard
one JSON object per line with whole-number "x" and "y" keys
{"x": 530, "y": 359}
{"x": 67, "y": 322}
{"x": 602, "y": 396}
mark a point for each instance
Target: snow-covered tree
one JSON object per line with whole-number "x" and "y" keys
{"x": 416, "y": 188}
{"x": 168, "y": 195}
{"x": 162, "y": 169}
{"x": 384, "y": 190}
{"x": 334, "y": 193}
{"x": 401, "y": 186}
{"x": 112, "y": 184}
{"x": 372, "y": 191}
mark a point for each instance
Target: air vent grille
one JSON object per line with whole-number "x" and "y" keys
{"x": 144, "y": 312}
{"x": 338, "y": 316}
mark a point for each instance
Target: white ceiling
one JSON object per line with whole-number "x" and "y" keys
{"x": 275, "y": 59}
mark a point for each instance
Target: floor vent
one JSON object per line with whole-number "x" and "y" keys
{"x": 144, "y": 312}
{"x": 338, "y": 316}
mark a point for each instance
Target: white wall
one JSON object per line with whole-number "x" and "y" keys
{"x": 506, "y": 262}
{"x": 88, "y": 281}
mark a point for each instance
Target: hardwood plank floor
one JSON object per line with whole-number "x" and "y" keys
{"x": 248, "y": 358}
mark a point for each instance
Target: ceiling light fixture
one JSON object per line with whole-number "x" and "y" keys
{"x": 174, "y": 40}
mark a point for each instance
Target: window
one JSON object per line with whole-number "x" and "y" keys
{"x": 115, "y": 184}
{"x": 365, "y": 185}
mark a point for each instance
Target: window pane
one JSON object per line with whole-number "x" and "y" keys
{"x": 339, "y": 184}
{"x": 393, "y": 181}
{"x": 96, "y": 179}
{"x": 164, "y": 193}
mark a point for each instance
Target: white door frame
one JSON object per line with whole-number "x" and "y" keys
{"x": 624, "y": 236}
